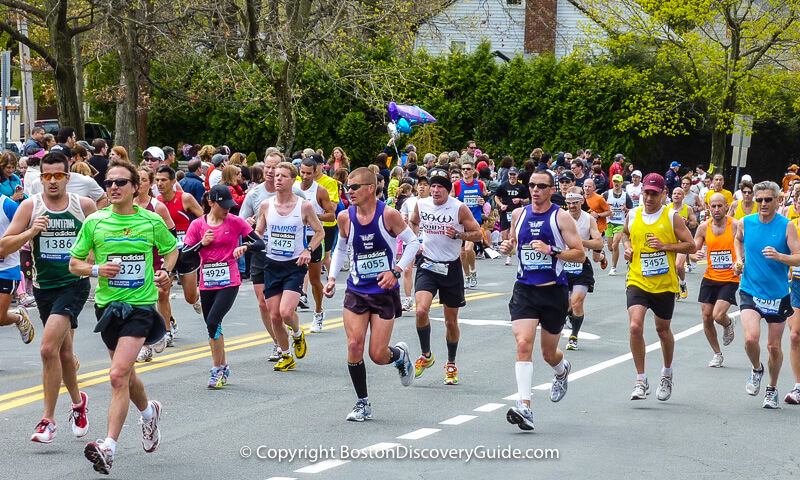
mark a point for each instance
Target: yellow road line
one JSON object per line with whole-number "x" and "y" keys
{"x": 187, "y": 354}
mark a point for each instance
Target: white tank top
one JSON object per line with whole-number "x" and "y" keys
{"x": 584, "y": 225}
{"x": 285, "y": 237}
{"x": 311, "y": 196}
{"x": 437, "y": 246}
{"x": 12, "y": 260}
{"x": 616, "y": 203}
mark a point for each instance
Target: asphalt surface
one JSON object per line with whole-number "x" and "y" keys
{"x": 710, "y": 428}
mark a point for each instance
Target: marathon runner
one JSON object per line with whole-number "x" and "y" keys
{"x": 620, "y": 203}
{"x": 423, "y": 188}
{"x": 687, "y": 215}
{"x": 471, "y": 192}
{"x": 510, "y": 196}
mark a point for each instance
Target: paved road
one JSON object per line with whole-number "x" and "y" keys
{"x": 710, "y": 428}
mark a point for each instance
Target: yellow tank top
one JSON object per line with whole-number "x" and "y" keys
{"x": 792, "y": 214}
{"x": 653, "y": 270}
{"x": 796, "y": 270}
{"x": 740, "y": 213}
{"x": 684, "y": 212}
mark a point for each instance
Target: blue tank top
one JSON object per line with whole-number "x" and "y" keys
{"x": 469, "y": 196}
{"x": 536, "y": 268}
{"x": 763, "y": 278}
{"x": 374, "y": 250}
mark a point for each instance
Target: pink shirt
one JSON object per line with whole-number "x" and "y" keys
{"x": 218, "y": 269}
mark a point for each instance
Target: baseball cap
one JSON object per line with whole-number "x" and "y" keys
{"x": 674, "y": 164}
{"x": 747, "y": 178}
{"x": 61, "y": 148}
{"x": 637, "y": 173}
{"x": 617, "y": 178}
{"x": 793, "y": 168}
{"x": 318, "y": 159}
{"x": 618, "y": 156}
{"x": 85, "y": 144}
{"x": 155, "y": 152}
{"x": 653, "y": 182}
{"x": 221, "y": 194}
{"x": 218, "y": 159}
{"x": 513, "y": 170}
{"x": 568, "y": 175}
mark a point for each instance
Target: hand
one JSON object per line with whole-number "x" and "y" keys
{"x": 507, "y": 247}
{"x": 109, "y": 269}
{"x": 391, "y": 142}
{"x": 595, "y": 215}
{"x": 516, "y": 201}
{"x": 387, "y": 280}
{"x": 330, "y": 288}
{"x": 655, "y": 243}
{"x": 208, "y": 237}
{"x": 505, "y": 207}
{"x": 771, "y": 253}
{"x": 628, "y": 253}
{"x": 19, "y": 194}
{"x": 450, "y": 231}
{"x": 40, "y": 224}
{"x": 304, "y": 258}
{"x": 239, "y": 251}
{"x": 251, "y": 220}
{"x": 701, "y": 254}
{"x": 161, "y": 277}
{"x": 481, "y": 201}
{"x": 738, "y": 268}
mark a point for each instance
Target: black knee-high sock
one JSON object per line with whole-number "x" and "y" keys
{"x": 396, "y": 354}
{"x": 424, "y": 338}
{"x": 451, "y": 351}
{"x": 358, "y": 374}
{"x": 577, "y": 321}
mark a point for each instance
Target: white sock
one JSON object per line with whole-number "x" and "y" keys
{"x": 797, "y": 386}
{"x": 683, "y": 283}
{"x": 147, "y": 413}
{"x": 111, "y": 444}
{"x": 524, "y": 371}
{"x": 296, "y": 334}
{"x": 666, "y": 372}
{"x": 285, "y": 352}
{"x": 560, "y": 368}
{"x": 641, "y": 377}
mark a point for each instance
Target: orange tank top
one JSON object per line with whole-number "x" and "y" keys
{"x": 721, "y": 254}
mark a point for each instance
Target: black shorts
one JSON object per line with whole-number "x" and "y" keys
{"x": 67, "y": 300}
{"x": 257, "y": 267}
{"x": 450, "y": 286}
{"x": 586, "y": 277}
{"x": 143, "y": 321}
{"x": 317, "y": 254}
{"x": 186, "y": 267}
{"x": 330, "y": 237}
{"x": 712, "y": 291}
{"x": 283, "y": 276}
{"x": 8, "y": 287}
{"x": 784, "y": 308}
{"x": 549, "y": 304}
{"x": 386, "y": 305}
{"x": 505, "y": 223}
{"x": 662, "y": 304}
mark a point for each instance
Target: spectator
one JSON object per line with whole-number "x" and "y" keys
{"x": 10, "y": 184}
{"x": 213, "y": 177}
{"x": 49, "y": 141}
{"x": 338, "y": 160}
{"x": 394, "y": 181}
{"x": 469, "y": 155}
{"x": 381, "y": 161}
{"x": 192, "y": 183}
{"x": 231, "y": 177}
{"x": 505, "y": 165}
{"x": 627, "y": 172}
{"x": 616, "y": 167}
{"x": 119, "y": 153}
{"x": 99, "y": 161}
{"x": 169, "y": 156}
{"x": 791, "y": 174}
{"x": 578, "y": 169}
{"x": 35, "y": 141}
{"x": 672, "y": 178}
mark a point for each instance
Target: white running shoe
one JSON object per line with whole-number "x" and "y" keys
{"x": 151, "y": 434}
{"x": 793, "y": 397}
{"x": 473, "y": 279}
{"x": 754, "y": 382}
{"x": 612, "y": 272}
{"x": 729, "y": 332}
{"x": 716, "y": 362}
{"x": 316, "y": 325}
{"x": 170, "y": 339}
{"x": 559, "y": 387}
{"x": 770, "y": 398}
{"x": 404, "y": 366}
{"x": 276, "y": 353}
{"x": 520, "y": 415}
{"x": 640, "y": 390}
{"x": 100, "y": 455}
{"x": 198, "y": 307}
{"x": 80, "y": 424}
{"x": 664, "y": 390}
{"x": 408, "y": 304}
{"x": 508, "y": 261}
{"x": 26, "y": 330}
{"x": 362, "y": 411}
{"x": 145, "y": 354}
{"x": 160, "y": 345}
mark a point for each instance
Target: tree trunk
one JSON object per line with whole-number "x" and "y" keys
{"x": 69, "y": 109}
{"x": 723, "y": 124}
{"x": 78, "y": 67}
{"x": 127, "y": 99}
{"x": 287, "y": 125}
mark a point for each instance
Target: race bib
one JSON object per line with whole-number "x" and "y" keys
{"x": 281, "y": 244}
{"x": 370, "y": 265}
{"x": 767, "y": 307}
{"x": 534, "y": 260}
{"x": 471, "y": 200}
{"x": 56, "y": 245}
{"x": 796, "y": 272}
{"x": 635, "y": 201}
{"x": 575, "y": 268}
{"x": 181, "y": 235}
{"x": 508, "y": 216}
{"x": 618, "y": 214}
{"x": 217, "y": 274}
{"x": 721, "y": 259}
{"x": 654, "y": 263}
{"x": 435, "y": 267}
{"x": 131, "y": 274}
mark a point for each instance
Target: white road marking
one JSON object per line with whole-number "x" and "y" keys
{"x": 489, "y": 407}
{"x": 379, "y": 447}
{"x": 281, "y": 478}
{"x": 458, "y": 420}
{"x": 582, "y": 335}
{"x": 321, "y": 466}
{"x": 480, "y": 323}
{"x": 417, "y": 434}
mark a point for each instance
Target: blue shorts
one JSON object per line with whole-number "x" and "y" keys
{"x": 283, "y": 276}
{"x": 795, "y": 287}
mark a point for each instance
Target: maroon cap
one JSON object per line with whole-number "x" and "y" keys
{"x": 654, "y": 182}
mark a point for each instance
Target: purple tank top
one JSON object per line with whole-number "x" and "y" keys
{"x": 373, "y": 252}
{"x": 536, "y": 268}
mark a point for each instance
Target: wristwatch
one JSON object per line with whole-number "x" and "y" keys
{"x": 457, "y": 235}
{"x": 396, "y": 273}
{"x": 310, "y": 250}
{"x": 554, "y": 251}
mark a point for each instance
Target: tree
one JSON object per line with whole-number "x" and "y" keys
{"x": 717, "y": 58}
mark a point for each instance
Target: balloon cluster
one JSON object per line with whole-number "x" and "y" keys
{"x": 404, "y": 117}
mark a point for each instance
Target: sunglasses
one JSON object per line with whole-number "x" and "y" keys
{"x": 747, "y": 192}
{"x": 120, "y": 182}
{"x": 50, "y": 176}
{"x": 356, "y": 186}
{"x": 150, "y": 159}
{"x": 765, "y": 199}
{"x": 540, "y": 186}
{"x": 466, "y": 169}
{"x": 574, "y": 203}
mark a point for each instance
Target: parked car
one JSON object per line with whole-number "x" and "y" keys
{"x": 92, "y": 130}
{"x": 15, "y": 147}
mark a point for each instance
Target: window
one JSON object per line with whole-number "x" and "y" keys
{"x": 514, "y": 3}
{"x": 458, "y": 46}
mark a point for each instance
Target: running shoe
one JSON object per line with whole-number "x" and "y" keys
{"x": 466, "y": 281}
{"x": 422, "y": 363}
{"x": 520, "y": 415}
{"x": 215, "y": 380}
{"x": 689, "y": 267}
{"x": 793, "y": 397}
{"x": 316, "y": 324}
{"x": 173, "y": 324}
{"x": 770, "y": 398}
{"x": 27, "y": 301}
{"x": 170, "y": 340}
{"x": 226, "y": 372}
{"x": 80, "y": 424}
{"x": 473, "y": 279}
{"x": 408, "y": 304}
{"x": 286, "y": 363}
{"x": 508, "y": 261}
{"x": 754, "y": 382}
{"x": 26, "y": 330}
{"x": 559, "y": 387}
{"x": 716, "y": 362}
{"x": 612, "y": 272}
{"x": 45, "y": 432}
{"x": 362, "y": 411}
{"x": 664, "y": 390}
{"x": 198, "y": 307}
{"x": 403, "y": 365}
{"x": 573, "y": 343}
{"x": 303, "y": 303}
{"x": 160, "y": 345}
{"x": 729, "y": 332}
{"x": 603, "y": 261}
{"x": 640, "y": 390}
{"x": 145, "y": 354}
{"x": 450, "y": 374}
{"x": 300, "y": 345}
{"x": 276, "y": 353}
{"x": 684, "y": 290}
{"x": 568, "y": 324}
{"x": 100, "y": 455}
{"x": 151, "y": 434}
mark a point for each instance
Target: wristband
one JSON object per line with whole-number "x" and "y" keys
{"x": 95, "y": 270}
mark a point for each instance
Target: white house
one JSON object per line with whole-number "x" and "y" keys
{"x": 531, "y": 27}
